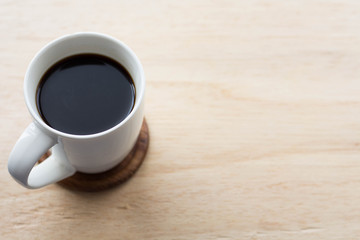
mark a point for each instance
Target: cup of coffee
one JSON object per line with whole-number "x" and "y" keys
{"x": 85, "y": 93}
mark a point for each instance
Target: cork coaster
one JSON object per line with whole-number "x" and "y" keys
{"x": 117, "y": 175}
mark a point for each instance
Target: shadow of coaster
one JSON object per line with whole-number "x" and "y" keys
{"x": 117, "y": 175}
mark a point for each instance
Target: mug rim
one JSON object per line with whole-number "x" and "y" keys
{"x": 139, "y": 92}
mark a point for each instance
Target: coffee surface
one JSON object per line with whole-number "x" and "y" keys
{"x": 85, "y": 94}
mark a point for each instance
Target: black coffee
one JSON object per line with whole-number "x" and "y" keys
{"x": 85, "y": 94}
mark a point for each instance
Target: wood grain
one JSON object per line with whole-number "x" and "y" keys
{"x": 254, "y": 109}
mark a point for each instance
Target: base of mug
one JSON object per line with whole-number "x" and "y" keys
{"x": 115, "y": 176}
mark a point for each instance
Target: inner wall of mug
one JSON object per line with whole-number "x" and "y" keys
{"x": 77, "y": 44}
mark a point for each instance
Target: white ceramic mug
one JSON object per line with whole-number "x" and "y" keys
{"x": 93, "y": 153}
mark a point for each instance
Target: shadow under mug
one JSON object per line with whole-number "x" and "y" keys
{"x": 92, "y": 153}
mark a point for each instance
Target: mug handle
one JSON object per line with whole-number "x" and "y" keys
{"x": 32, "y": 144}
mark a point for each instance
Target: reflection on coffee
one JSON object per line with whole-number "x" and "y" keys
{"x": 85, "y": 94}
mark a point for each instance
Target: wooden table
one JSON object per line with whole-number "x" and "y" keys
{"x": 254, "y": 116}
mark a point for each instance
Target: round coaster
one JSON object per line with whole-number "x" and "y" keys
{"x": 119, "y": 174}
